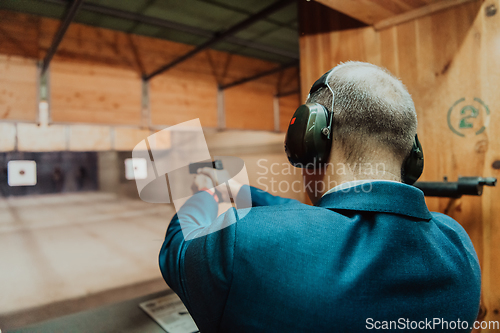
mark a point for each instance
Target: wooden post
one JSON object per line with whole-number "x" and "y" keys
{"x": 145, "y": 106}
{"x": 276, "y": 109}
{"x": 221, "y": 111}
{"x": 43, "y": 97}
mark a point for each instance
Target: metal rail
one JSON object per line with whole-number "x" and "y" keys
{"x": 258, "y": 76}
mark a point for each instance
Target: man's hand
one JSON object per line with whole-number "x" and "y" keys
{"x": 202, "y": 182}
{"x": 219, "y": 177}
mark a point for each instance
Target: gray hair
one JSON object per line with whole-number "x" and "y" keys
{"x": 372, "y": 106}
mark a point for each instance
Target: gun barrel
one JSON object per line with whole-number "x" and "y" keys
{"x": 439, "y": 189}
{"x": 489, "y": 181}
{"x": 464, "y": 186}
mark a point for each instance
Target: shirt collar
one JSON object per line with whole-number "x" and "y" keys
{"x": 377, "y": 196}
{"x": 352, "y": 183}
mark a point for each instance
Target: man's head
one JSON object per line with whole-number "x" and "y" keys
{"x": 374, "y": 118}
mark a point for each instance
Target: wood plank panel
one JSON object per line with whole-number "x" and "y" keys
{"x": 104, "y": 85}
{"x": 179, "y": 96}
{"x": 419, "y": 12}
{"x": 407, "y": 55}
{"x": 288, "y": 105}
{"x": 487, "y": 30}
{"x": 375, "y": 11}
{"x": 239, "y": 67}
{"x": 249, "y": 105}
{"x": 154, "y": 53}
{"x": 389, "y": 50}
{"x": 446, "y": 59}
{"x": 288, "y": 81}
{"x": 316, "y": 18}
{"x": 366, "y": 11}
{"x": 19, "y": 34}
{"x": 94, "y": 94}
{"x": 190, "y": 90}
{"x": 18, "y": 88}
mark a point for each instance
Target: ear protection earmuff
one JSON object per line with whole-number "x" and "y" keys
{"x": 308, "y": 140}
{"x": 414, "y": 164}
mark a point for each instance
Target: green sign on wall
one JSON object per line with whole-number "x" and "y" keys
{"x": 468, "y": 117}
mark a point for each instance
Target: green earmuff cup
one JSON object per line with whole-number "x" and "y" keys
{"x": 306, "y": 145}
{"x": 413, "y": 166}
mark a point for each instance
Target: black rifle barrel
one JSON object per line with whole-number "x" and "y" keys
{"x": 464, "y": 186}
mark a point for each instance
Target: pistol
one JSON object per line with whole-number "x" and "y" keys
{"x": 193, "y": 167}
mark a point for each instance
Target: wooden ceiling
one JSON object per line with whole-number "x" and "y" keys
{"x": 383, "y": 13}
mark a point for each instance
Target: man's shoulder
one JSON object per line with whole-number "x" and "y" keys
{"x": 443, "y": 218}
{"x": 447, "y": 224}
{"x": 453, "y": 231}
{"x": 278, "y": 215}
{"x": 284, "y": 212}
{"x": 292, "y": 224}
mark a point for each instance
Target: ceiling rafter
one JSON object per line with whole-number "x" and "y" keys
{"x": 259, "y": 75}
{"x": 68, "y": 18}
{"x": 287, "y": 25}
{"x": 223, "y": 35}
{"x": 162, "y": 23}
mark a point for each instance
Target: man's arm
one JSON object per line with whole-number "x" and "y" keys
{"x": 197, "y": 254}
{"x": 258, "y": 197}
{"x": 196, "y": 218}
{"x": 196, "y": 215}
{"x": 199, "y": 270}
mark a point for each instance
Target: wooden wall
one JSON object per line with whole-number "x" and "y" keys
{"x": 94, "y": 94}
{"x": 441, "y": 58}
{"x": 18, "y": 88}
{"x": 288, "y": 105}
{"x": 95, "y": 78}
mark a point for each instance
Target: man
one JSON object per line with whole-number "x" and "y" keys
{"x": 368, "y": 255}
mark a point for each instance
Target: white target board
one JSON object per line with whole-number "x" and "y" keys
{"x": 21, "y": 173}
{"x": 136, "y": 168}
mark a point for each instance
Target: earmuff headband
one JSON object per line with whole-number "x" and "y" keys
{"x": 320, "y": 83}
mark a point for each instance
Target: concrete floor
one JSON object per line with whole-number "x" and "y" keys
{"x": 68, "y": 246}
{"x": 120, "y": 317}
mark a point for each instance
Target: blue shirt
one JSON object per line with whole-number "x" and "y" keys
{"x": 355, "y": 258}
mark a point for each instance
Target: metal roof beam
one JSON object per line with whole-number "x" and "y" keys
{"x": 68, "y": 18}
{"x": 130, "y": 16}
{"x": 246, "y": 12}
{"x": 262, "y": 47}
{"x": 258, "y": 76}
{"x": 162, "y": 23}
{"x": 223, "y": 35}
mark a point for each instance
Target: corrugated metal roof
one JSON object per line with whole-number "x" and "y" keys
{"x": 274, "y": 38}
